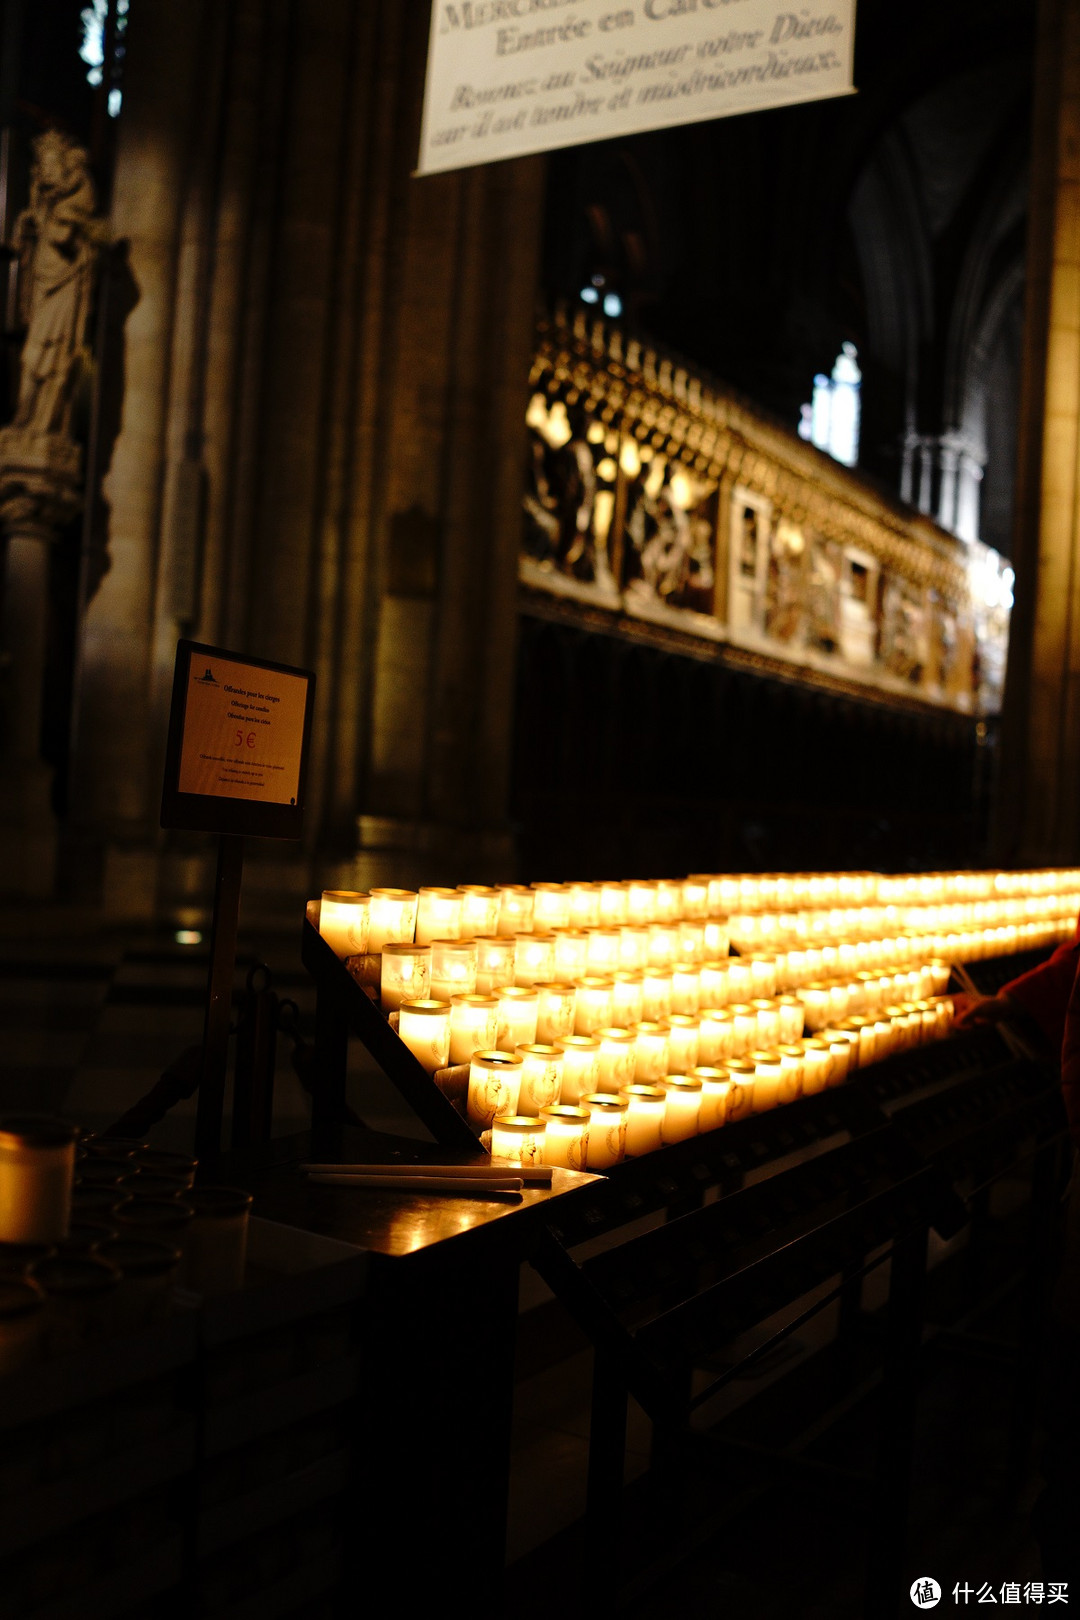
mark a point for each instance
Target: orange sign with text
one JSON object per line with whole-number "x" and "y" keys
{"x": 243, "y": 731}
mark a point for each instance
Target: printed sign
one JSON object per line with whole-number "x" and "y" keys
{"x": 507, "y": 77}
{"x": 237, "y": 743}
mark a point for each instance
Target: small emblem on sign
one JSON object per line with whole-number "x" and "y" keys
{"x": 207, "y": 679}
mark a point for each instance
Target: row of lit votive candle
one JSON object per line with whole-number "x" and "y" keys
{"x": 812, "y": 890}
{"x": 753, "y": 930}
{"x": 602, "y": 1127}
{"x": 799, "y": 960}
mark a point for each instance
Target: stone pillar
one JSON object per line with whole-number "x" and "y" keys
{"x": 1038, "y": 809}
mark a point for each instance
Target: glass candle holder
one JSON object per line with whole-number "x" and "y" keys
{"x": 669, "y": 901}
{"x": 740, "y": 981}
{"x": 791, "y": 1079}
{"x": 716, "y": 1035}
{"x": 743, "y": 1076}
{"x": 594, "y": 1005}
{"x": 614, "y": 904}
{"x": 768, "y": 1073}
{"x": 571, "y": 954}
{"x": 424, "y": 1026}
{"x": 37, "y": 1170}
{"x": 682, "y": 1107}
{"x": 691, "y": 947}
{"x": 792, "y": 1017}
{"x": 494, "y": 1084}
{"x": 683, "y": 1032}
{"x": 762, "y": 976}
{"x": 515, "y": 909}
{"x": 633, "y": 947}
{"x": 695, "y": 897}
{"x": 744, "y": 1022}
{"x": 844, "y": 1047}
{"x": 494, "y": 963}
{"x": 863, "y": 1029}
{"x": 556, "y": 1003}
{"x": 656, "y": 993}
{"x": 343, "y": 921}
{"x": 818, "y": 1063}
{"x": 518, "y": 1138}
{"x": 518, "y": 1012}
{"x": 391, "y": 918}
{"x": 602, "y": 950}
{"x": 474, "y": 1022}
{"x": 644, "y": 1118}
{"x": 618, "y": 1058}
{"x": 663, "y": 944}
{"x": 566, "y": 1136}
{"x": 627, "y": 1000}
{"x": 541, "y": 1076}
{"x": 438, "y": 915}
{"x": 715, "y": 1091}
{"x": 717, "y": 938}
{"x": 767, "y": 1016}
{"x": 651, "y": 1060}
{"x": 479, "y": 911}
{"x": 715, "y": 984}
{"x": 685, "y": 987}
{"x": 641, "y": 902}
{"x": 453, "y": 968}
{"x": 607, "y": 1130}
{"x": 581, "y": 1067}
{"x": 815, "y": 1001}
{"x": 883, "y": 1037}
{"x": 534, "y": 959}
{"x": 840, "y": 1000}
{"x": 551, "y": 906}
{"x": 584, "y": 905}
{"x": 405, "y": 975}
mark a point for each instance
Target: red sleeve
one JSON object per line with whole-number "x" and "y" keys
{"x": 1070, "y": 1058}
{"x": 1045, "y": 992}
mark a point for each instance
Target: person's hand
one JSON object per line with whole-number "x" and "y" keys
{"x": 987, "y": 1010}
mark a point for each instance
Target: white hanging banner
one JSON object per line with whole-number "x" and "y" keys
{"x": 506, "y": 77}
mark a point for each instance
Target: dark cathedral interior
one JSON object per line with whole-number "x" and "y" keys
{"x": 539, "y": 808}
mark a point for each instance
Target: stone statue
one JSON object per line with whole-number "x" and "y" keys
{"x": 56, "y": 239}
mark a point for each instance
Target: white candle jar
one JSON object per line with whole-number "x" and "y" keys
{"x": 791, "y": 1079}
{"x": 602, "y": 954}
{"x": 644, "y": 1118}
{"x": 618, "y": 1059}
{"x": 627, "y": 1000}
{"x": 594, "y": 1005}
{"x": 494, "y": 1084}
{"x": 682, "y": 1107}
{"x": 607, "y": 1130}
{"x": 494, "y": 963}
{"x": 515, "y": 909}
{"x": 571, "y": 954}
{"x": 691, "y": 946}
{"x": 474, "y": 1024}
{"x": 762, "y": 976}
{"x": 391, "y": 918}
{"x": 518, "y": 1138}
{"x": 683, "y": 1041}
{"x": 715, "y": 984}
{"x": 651, "y": 1059}
{"x": 717, "y": 938}
{"x": 715, "y": 1091}
{"x": 405, "y": 975}
{"x": 343, "y": 921}
{"x": 584, "y": 905}
{"x": 663, "y": 944}
{"x": 614, "y": 904}
{"x": 685, "y": 987}
{"x": 641, "y": 902}
{"x": 716, "y": 1035}
{"x": 479, "y": 911}
{"x": 695, "y": 897}
{"x": 551, "y": 906}
{"x": 818, "y": 1063}
{"x": 744, "y": 1022}
{"x": 790, "y": 1009}
{"x": 518, "y": 1012}
{"x": 767, "y": 1020}
{"x": 656, "y": 993}
{"x": 768, "y": 1073}
{"x": 541, "y": 1076}
{"x": 438, "y": 915}
{"x": 581, "y": 1067}
{"x": 534, "y": 959}
{"x": 743, "y": 1076}
{"x": 424, "y": 1026}
{"x": 633, "y": 947}
{"x": 669, "y": 901}
{"x": 37, "y": 1168}
{"x": 453, "y": 968}
{"x": 556, "y": 1004}
{"x": 740, "y": 980}
{"x": 566, "y": 1136}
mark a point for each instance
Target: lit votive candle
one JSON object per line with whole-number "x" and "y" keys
{"x": 594, "y": 1005}
{"x": 744, "y": 1021}
{"x": 656, "y": 993}
{"x": 566, "y": 1136}
{"x": 602, "y": 950}
{"x": 691, "y": 940}
{"x": 717, "y": 939}
{"x": 453, "y": 967}
{"x": 541, "y": 1076}
{"x": 391, "y": 918}
{"x": 614, "y": 904}
{"x": 584, "y": 905}
{"x": 716, "y": 1035}
{"x": 343, "y": 921}
{"x": 762, "y": 976}
{"x": 651, "y": 1061}
{"x": 518, "y": 1012}
{"x": 555, "y": 1010}
{"x": 438, "y": 915}
{"x": 740, "y": 979}
{"x": 743, "y": 1075}
{"x": 37, "y": 1169}
{"x": 683, "y": 1042}
{"x": 641, "y": 903}
{"x": 767, "y": 1015}
{"x": 663, "y": 944}
{"x": 695, "y": 897}
{"x": 494, "y": 964}
{"x": 474, "y": 1024}
{"x": 494, "y": 1083}
{"x": 791, "y": 1019}
{"x": 515, "y": 909}
{"x": 682, "y": 1108}
{"x": 479, "y": 911}
{"x": 844, "y": 1046}
{"x": 571, "y": 954}
{"x": 618, "y": 1057}
{"x": 424, "y": 1026}
{"x": 633, "y": 947}
{"x": 518, "y": 1138}
{"x": 405, "y": 975}
{"x": 644, "y": 1118}
{"x": 791, "y": 1079}
{"x": 581, "y": 1067}
{"x": 883, "y": 1037}
{"x": 768, "y": 1073}
{"x": 627, "y": 999}
{"x": 607, "y": 1130}
{"x": 715, "y": 1091}
{"x": 864, "y": 1030}
{"x": 551, "y": 906}
{"x": 534, "y": 958}
{"x": 669, "y": 901}
{"x": 715, "y": 984}
{"x": 685, "y": 987}
{"x": 818, "y": 1062}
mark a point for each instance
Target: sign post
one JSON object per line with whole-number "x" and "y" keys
{"x": 235, "y": 765}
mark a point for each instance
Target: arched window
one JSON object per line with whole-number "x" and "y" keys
{"x": 831, "y": 421}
